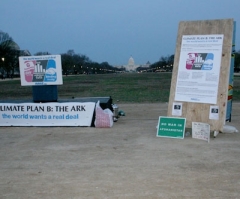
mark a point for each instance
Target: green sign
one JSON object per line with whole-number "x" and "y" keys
{"x": 172, "y": 127}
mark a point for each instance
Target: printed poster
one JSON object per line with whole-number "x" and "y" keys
{"x": 199, "y": 68}
{"x": 41, "y": 70}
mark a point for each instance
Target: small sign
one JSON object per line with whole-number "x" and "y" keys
{"x": 171, "y": 127}
{"x": 201, "y": 131}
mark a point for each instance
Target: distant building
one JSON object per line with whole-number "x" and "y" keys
{"x": 132, "y": 67}
{"x": 25, "y": 53}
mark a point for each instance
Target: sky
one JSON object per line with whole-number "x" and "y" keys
{"x": 108, "y": 30}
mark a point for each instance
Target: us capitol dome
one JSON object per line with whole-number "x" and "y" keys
{"x": 131, "y": 66}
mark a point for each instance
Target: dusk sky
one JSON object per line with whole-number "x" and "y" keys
{"x": 108, "y": 30}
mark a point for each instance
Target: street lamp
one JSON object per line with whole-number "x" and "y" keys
{"x": 2, "y": 71}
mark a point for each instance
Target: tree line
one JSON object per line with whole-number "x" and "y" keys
{"x": 74, "y": 63}
{"x": 9, "y": 53}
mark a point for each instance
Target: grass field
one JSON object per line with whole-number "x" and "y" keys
{"x": 125, "y": 87}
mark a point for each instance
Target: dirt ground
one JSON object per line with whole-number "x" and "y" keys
{"x": 126, "y": 161}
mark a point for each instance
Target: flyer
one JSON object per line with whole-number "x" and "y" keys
{"x": 177, "y": 109}
{"x": 214, "y": 113}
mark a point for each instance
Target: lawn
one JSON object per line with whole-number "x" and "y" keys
{"x": 124, "y": 88}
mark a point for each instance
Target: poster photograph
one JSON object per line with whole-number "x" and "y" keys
{"x": 199, "y": 68}
{"x": 40, "y": 70}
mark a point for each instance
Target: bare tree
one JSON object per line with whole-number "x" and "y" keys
{"x": 9, "y": 52}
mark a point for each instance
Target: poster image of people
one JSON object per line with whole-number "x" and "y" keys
{"x": 177, "y": 107}
{"x": 214, "y": 110}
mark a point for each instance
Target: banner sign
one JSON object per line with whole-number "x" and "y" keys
{"x": 171, "y": 127}
{"x": 46, "y": 114}
{"x": 41, "y": 70}
{"x": 199, "y": 68}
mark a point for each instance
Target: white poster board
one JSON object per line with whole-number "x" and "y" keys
{"x": 47, "y": 114}
{"x": 201, "y": 131}
{"x": 199, "y": 68}
{"x": 41, "y": 70}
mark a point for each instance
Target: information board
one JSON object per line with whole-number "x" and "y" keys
{"x": 200, "y": 76}
{"x": 171, "y": 127}
{"x": 41, "y": 70}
